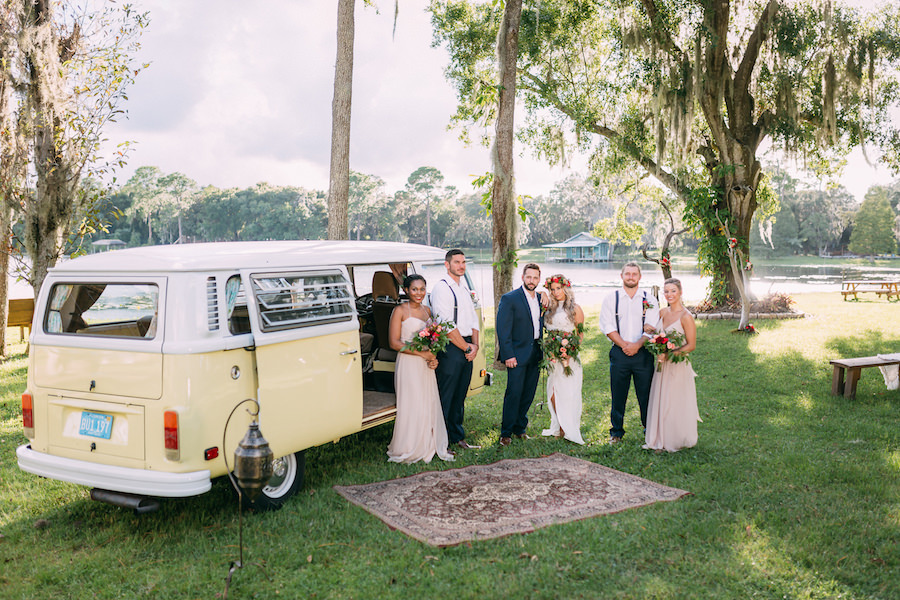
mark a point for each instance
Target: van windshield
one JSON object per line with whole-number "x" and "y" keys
{"x": 118, "y": 310}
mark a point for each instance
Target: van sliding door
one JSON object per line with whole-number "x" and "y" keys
{"x": 307, "y": 352}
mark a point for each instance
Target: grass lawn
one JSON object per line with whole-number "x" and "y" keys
{"x": 795, "y": 494}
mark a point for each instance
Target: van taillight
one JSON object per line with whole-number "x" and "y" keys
{"x": 28, "y": 415}
{"x": 170, "y": 433}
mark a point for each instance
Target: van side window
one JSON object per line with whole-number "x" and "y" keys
{"x": 115, "y": 309}
{"x": 293, "y": 300}
{"x": 236, "y": 306}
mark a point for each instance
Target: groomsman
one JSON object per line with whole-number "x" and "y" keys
{"x": 451, "y": 300}
{"x": 623, "y": 318}
{"x": 519, "y": 330}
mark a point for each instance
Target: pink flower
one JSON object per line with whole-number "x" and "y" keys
{"x": 564, "y": 342}
{"x": 670, "y": 346}
{"x": 423, "y": 334}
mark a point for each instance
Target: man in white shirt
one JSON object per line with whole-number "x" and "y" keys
{"x": 625, "y": 317}
{"x": 451, "y": 300}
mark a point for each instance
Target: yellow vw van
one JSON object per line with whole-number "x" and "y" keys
{"x": 139, "y": 356}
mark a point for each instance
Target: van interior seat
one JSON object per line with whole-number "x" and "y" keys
{"x": 386, "y": 293}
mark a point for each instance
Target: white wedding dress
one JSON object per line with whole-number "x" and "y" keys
{"x": 565, "y": 389}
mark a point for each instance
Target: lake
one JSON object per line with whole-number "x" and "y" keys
{"x": 593, "y": 282}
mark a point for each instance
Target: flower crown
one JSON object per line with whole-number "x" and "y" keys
{"x": 560, "y": 279}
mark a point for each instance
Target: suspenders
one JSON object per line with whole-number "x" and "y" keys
{"x": 456, "y": 306}
{"x": 643, "y": 312}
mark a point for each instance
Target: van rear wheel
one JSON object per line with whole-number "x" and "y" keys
{"x": 287, "y": 479}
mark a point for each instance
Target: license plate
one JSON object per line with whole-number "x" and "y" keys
{"x": 96, "y": 425}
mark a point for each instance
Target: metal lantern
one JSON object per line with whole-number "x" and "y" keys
{"x": 253, "y": 462}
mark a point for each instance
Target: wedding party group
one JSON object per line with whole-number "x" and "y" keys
{"x": 539, "y": 326}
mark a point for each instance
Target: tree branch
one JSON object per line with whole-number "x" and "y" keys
{"x": 751, "y": 53}
{"x": 659, "y": 31}
{"x": 650, "y": 166}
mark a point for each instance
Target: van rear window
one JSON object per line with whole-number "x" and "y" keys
{"x": 116, "y": 309}
{"x": 293, "y": 300}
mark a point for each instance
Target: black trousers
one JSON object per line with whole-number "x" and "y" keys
{"x": 521, "y": 383}
{"x": 453, "y": 374}
{"x": 622, "y": 370}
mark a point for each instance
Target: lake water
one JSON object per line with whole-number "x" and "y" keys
{"x": 593, "y": 282}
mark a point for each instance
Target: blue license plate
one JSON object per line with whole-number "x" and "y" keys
{"x": 96, "y": 425}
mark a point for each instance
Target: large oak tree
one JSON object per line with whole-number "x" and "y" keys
{"x": 687, "y": 91}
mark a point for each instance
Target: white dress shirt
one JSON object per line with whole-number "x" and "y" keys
{"x": 442, "y": 295}
{"x": 535, "y": 311}
{"x": 631, "y": 327}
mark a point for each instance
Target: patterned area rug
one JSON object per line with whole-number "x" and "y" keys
{"x": 445, "y": 508}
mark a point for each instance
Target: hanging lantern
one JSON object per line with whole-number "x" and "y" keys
{"x": 253, "y": 462}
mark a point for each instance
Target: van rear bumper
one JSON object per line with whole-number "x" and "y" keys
{"x": 120, "y": 479}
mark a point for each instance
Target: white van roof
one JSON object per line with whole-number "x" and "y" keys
{"x": 232, "y": 256}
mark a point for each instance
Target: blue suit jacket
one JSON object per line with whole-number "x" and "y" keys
{"x": 515, "y": 330}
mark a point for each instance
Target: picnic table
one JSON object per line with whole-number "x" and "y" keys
{"x": 891, "y": 289}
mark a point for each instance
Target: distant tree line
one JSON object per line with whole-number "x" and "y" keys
{"x": 158, "y": 208}
{"x": 828, "y": 221}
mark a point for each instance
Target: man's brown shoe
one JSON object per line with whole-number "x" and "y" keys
{"x": 523, "y": 436}
{"x": 505, "y": 441}
{"x": 466, "y": 446}
{"x": 614, "y": 439}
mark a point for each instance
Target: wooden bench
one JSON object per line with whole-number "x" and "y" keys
{"x": 891, "y": 289}
{"x": 20, "y": 314}
{"x": 847, "y": 371}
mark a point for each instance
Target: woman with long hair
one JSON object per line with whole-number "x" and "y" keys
{"x": 564, "y": 390}
{"x": 672, "y": 413}
{"x": 419, "y": 431}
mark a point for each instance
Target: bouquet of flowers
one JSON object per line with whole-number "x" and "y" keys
{"x": 562, "y": 347}
{"x": 665, "y": 343}
{"x": 433, "y": 338}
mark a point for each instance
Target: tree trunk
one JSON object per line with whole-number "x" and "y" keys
{"x": 5, "y": 217}
{"x": 339, "y": 181}
{"x": 503, "y": 194}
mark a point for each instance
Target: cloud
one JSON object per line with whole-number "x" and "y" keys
{"x": 239, "y": 93}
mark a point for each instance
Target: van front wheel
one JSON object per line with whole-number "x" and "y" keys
{"x": 287, "y": 479}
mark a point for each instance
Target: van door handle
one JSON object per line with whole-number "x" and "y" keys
{"x": 346, "y": 352}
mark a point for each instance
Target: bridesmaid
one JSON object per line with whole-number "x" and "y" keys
{"x": 419, "y": 431}
{"x": 672, "y": 413}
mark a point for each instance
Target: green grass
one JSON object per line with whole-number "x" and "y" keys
{"x": 795, "y": 494}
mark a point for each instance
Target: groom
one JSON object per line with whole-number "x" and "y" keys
{"x": 519, "y": 330}
{"x": 623, "y": 317}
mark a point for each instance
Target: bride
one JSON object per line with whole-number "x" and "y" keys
{"x": 564, "y": 390}
{"x": 419, "y": 431}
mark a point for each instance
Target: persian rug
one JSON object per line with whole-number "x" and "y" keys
{"x": 445, "y": 508}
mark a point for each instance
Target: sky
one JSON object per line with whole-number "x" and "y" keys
{"x": 236, "y": 95}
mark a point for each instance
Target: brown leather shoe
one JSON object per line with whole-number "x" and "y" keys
{"x": 614, "y": 439}
{"x": 523, "y": 436}
{"x": 505, "y": 441}
{"x": 466, "y": 446}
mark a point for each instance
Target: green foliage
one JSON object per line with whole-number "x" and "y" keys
{"x": 806, "y": 221}
{"x": 618, "y": 230}
{"x": 873, "y": 227}
{"x": 682, "y": 91}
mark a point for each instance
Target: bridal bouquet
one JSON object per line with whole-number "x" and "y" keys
{"x": 665, "y": 343}
{"x": 433, "y": 338}
{"x": 562, "y": 347}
